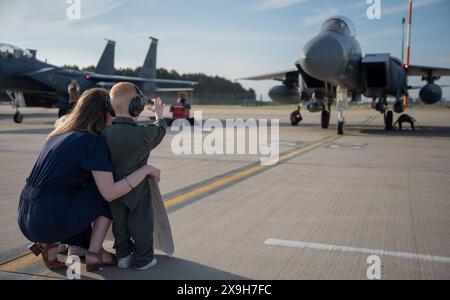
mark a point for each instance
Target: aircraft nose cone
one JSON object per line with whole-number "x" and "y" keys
{"x": 323, "y": 57}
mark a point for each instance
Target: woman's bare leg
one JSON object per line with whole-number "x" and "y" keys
{"x": 52, "y": 254}
{"x": 99, "y": 231}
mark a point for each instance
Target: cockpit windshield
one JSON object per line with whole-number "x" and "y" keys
{"x": 339, "y": 24}
{"x": 9, "y": 51}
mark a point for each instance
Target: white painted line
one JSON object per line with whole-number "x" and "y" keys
{"x": 325, "y": 247}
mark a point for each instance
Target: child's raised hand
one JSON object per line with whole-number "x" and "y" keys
{"x": 158, "y": 108}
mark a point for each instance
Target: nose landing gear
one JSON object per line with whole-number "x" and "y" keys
{"x": 341, "y": 105}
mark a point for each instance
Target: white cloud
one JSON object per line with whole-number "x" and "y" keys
{"x": 278, "y": 4}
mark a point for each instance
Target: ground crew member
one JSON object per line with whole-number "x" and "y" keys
{"x": 405, "y": 119}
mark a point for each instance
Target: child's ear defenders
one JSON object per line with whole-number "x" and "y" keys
{"x": 109, "y": 108}
{"x": 135, "y": 108}
{"x": 137, "y": 104}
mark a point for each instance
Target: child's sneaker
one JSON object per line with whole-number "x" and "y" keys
{"x": 125, "y": 262}
{"x": 148, "y": 266}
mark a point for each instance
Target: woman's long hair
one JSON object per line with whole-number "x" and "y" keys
{"x": 89, "y": 114}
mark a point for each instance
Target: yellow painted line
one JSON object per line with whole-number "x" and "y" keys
{"x": 29, "y": 259}
{"x": 19, "y": 263}
{"x": 239, "y": 175}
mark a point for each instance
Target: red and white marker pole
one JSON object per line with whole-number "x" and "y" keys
{"x": 408, "y": 46}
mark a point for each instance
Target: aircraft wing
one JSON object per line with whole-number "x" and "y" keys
{"x": 279, "y": 76}
{"x": 418, "y": 87}
{"x": 174, "y": 90}
{"x": 426, "y": 71}
{"x": 105, "y": 79}
{"x": 110, "y": 84}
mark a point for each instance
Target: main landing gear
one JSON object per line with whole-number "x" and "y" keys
{"x": 325, "y": 119}
{"x": 17, "y": 100}
{"x": 389, "y": 120}
{"x": 326, "y": 114}
{"x": 382, "y": 106}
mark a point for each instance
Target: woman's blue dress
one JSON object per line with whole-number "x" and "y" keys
{"x": 60, "y": 199}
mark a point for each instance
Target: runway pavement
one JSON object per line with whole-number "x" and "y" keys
{"x": 320, "y": 213}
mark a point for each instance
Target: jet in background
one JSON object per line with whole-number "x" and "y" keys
{"x": 331, "y": 67}
{"x": 29, "y": 82}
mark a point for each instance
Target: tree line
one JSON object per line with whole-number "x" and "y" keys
{"x": 207, "y": 85}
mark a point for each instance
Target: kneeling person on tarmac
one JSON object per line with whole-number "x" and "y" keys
{"x": 296, "y": 116}
{"x": 130, "y": 145}
{"x": 405, "y": 119}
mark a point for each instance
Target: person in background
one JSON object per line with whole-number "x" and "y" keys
{"x": 404, "y": 118}
{"x": 296, "y": 116}
{"x": 74, "y": 94}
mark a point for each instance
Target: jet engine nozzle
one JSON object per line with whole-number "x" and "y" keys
{"x": 324, "y": 57}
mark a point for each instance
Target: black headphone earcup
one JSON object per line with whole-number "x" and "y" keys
{"x": 109, "y": 108}
{"x": 136, "y": 107}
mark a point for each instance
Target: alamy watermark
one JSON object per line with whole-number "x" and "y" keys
{"x": 374, "y": 270}
{"x": 73, "y": 11}
{"x": 73, "y": 263}
{"x": 235, "y": 137}
{"x": 374, "y": 9}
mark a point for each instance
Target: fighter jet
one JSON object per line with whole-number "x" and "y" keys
{"x": 30, "y": 82}
{"x": 332, "y": 67}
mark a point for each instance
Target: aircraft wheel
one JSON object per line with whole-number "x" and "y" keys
{"x": 389, "y": 120}
{"x": 325, "y": 119}
{"x": 18, "y": 118}
{"x": 341, "y": 127}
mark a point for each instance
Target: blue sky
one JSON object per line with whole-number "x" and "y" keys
{"x": 230, "y": 38}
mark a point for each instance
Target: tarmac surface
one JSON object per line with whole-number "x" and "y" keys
{"x": 330, "y": 203}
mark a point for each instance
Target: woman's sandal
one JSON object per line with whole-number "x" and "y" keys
{"x": 99, "y": 262}
{"x": 38, "y": 249}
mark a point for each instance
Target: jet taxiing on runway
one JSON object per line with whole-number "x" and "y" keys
{"x": 332, "y": 67}
{"x": 33, "y": 83}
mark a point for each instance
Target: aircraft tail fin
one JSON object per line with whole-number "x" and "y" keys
{"x": 148, "y": 70}
{"x": 106, "y": 64}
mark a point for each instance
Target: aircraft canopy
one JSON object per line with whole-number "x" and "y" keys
{"x": 10, "y": 51}
{"x": 339, "y": 24}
